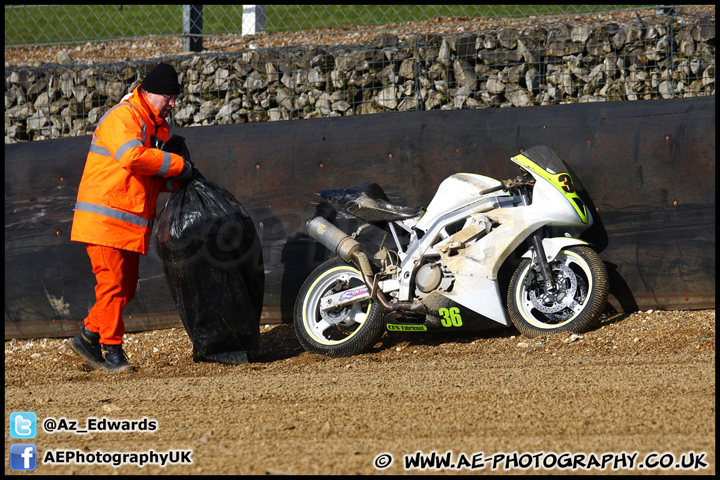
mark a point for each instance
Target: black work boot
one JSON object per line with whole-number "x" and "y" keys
{"x": 87, "y": 345}
{"x": 116, "y": 360}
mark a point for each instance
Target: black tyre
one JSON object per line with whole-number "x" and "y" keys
{"x": 583, "y": 283}
{"x": 340, "y": 332}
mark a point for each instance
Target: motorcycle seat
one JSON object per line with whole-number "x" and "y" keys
{"x": 369, "y": 203}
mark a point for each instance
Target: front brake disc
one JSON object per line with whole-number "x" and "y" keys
{"x": 563, "y": 276}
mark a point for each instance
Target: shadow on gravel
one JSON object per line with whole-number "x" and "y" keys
{"x": 280, "y": 343}
{"x": 432, "y": 339}
{"x": 609, "y": 319}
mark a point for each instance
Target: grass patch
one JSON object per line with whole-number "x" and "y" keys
{"x": 63, "y": 24}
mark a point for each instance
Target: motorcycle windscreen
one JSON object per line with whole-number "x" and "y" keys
{"x": 544, "y": 162}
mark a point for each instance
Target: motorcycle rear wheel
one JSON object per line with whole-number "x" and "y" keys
{"x": 580, "y": 274}
{"x": 341, "y": 332}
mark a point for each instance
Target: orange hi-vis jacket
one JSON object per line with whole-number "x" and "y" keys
{"x": 123, "y": 176}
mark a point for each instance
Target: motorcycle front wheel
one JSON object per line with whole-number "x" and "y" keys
{"x": 339, "y": 332}
{"x": 581, "y": 294}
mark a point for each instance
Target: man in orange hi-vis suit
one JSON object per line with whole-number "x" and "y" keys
{"x": 125, "y": 171}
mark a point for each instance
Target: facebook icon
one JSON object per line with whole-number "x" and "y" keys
{"x": 23, "y": 456}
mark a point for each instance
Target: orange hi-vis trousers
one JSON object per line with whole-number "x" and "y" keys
{"x": 116, "y": 272}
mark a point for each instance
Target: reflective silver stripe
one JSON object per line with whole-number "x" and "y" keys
{"x": 144, "y": 135}
{"x": 108, "y": 113}
{"x": 120, "y": 105}
{"x": 135, "y": 142}
{"x": 94, "y": 148}
{"x": 112, "y": 213}
{"x": 165, "y": 165}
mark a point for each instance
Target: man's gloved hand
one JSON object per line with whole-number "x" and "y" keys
{"x": 187, "y": 171}
{"x": 177, "y": 145}
{"x": 156, "y": 142}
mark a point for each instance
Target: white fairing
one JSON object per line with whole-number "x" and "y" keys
{"x": 550, "y": 207}
{"x": 456, "y": 191}
{"x": 476, "y": 265}
{"x": 552, "y": 246}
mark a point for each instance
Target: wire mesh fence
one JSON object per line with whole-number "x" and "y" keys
{"x": 72, "y": 24}
{"x": 515, "y": 64}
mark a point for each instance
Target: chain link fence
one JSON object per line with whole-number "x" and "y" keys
{"x": 534, "y": 61}
{"x": 73, "y": 24}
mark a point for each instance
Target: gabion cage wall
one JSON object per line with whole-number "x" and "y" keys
{"x": 652, "y": 57}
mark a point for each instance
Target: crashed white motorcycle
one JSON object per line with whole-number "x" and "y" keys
{"x": 443, "y": 272}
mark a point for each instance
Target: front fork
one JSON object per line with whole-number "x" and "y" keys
{"x": 549, "y": 294}
{"x": 542, "y": 261}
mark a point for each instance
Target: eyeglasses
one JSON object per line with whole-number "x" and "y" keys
{"x": 170, "y": 98}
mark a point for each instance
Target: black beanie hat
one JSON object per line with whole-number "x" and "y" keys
{"x": 162, "y": 79}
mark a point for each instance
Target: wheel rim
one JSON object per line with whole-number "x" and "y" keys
{"x": 339, "y": 325}
{"x": 573, "y": 273}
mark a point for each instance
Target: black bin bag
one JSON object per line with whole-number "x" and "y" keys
{"x": 212, "y": 259}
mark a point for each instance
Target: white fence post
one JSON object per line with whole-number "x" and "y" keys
{"x": 253, "y": 19}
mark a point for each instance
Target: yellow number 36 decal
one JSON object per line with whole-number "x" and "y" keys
{"x": 451, "y": 317}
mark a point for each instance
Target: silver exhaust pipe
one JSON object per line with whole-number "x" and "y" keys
{"x": 347, "y": 248}
{"x": 334, "y": 239}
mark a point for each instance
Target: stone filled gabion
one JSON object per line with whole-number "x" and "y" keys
{"x": 649, "y": 58}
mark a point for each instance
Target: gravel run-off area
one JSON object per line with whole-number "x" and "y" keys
{"x": 640, "y": 383}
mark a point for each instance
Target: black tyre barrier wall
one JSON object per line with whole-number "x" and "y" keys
{"x": 647, "y": 168}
